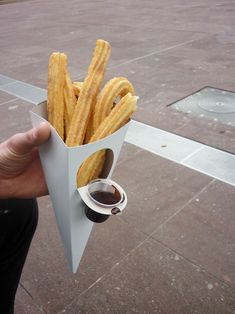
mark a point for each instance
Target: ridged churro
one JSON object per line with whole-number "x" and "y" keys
{"x": 88, "y": 94}
{"x": 119, "y": 115}
{"x": 91, "y": 168}
{"x": 116, "y": 87}
{"x": 90, "y": 129}
{"x": 69, "y": 101}
{"x": 55, "y": 98}
{"x": 81, "y": 113}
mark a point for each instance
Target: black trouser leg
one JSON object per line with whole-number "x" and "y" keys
{"x": 18, "y": 221}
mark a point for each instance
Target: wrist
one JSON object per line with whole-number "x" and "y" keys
{"x": 7, "y": 189}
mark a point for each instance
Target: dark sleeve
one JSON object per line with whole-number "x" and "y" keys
{"x": 18, "y": 221}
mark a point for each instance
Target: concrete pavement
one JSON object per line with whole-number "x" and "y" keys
{"x": 173, "y": 250}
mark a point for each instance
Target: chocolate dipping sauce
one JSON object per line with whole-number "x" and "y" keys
{"x": 104, "y": 197}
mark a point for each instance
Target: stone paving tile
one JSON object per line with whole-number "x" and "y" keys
{"x": 212, "y": 57}
{"x": 24, "y": 304}
{"x": 128, "y": 151}
{"x": 154, "y": 279}
{"x": 5, "y": 80}
{"x": 200, "y": 129}
{"x": 173, "y": 72}
{"x": 175, "y": 15}
{"x": 6, "y": 133}
{"x": 31, "y": 59}
{"x": 212, "y": 133}
{"x": 14, "y": 114}
{"x": 34, "y": 72}
{"x": 156, "y": 188}
{"x": 154, "y": 109}
{"x": 204, "y": 231}
{"x": 46, "y": 274}
{"x": 135, "y": 30}
{"x": 5, "y": 97}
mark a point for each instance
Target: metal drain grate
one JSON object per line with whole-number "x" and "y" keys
{"x": 210, "y": 102}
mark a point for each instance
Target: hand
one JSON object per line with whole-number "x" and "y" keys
{"x": 21, "y": 174}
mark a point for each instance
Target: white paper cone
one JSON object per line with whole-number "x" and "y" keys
{"x": 60, "y": 164}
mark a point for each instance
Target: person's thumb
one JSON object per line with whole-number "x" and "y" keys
{"x": 23, "y": 143}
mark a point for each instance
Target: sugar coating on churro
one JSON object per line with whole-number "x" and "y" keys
{"x": 69, "y": 101}
{"x": 55, "y": 98}
{"x": 88, "y": 94}
{"x": 91, "y": 168}
{"x": 120, "y": 115}
{"x": 118, "y": 86}
{"x": 81, "y": 113}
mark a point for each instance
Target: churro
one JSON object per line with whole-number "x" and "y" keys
{"x": 116, "y": 87}
{"x": 55, "y": 98}
{"x": 90, "y": 130}
{"x": 69, "y": 101}
{"x": 88, "y": 94}
{"x": 81, "y": 113}
{"x": 119, "y": 115}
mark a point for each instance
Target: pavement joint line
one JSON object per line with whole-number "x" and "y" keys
{"x": 7, "y": 80}
{"x": 154, "y": 52}
{"x": 107, "y": 273}
{"x": 148, "y": 237}
{"x": 209, "y": 174}
{"x": 7, "y": 84}
{"x": 12, "y": 79}
{"x": 18, "y": 81}
{"x": 151, "y": 139}
{"x": 8, "y": 101}
{"x": 192, "y": 154}
{"x": 182, "y": 207}
{"x": 32, "y": 298}
{"x": 35, "y": 95}
{"x": 179, "y": 149}
{"x": 200, "y": 267}
{"x": 21, "y": 97}
{"x": 85, "y": 291}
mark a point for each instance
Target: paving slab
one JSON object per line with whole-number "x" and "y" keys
{"x": 14, "y": 114}
{"x": 156, "y": 111}
{"x": 154, "y": 279}
{"x": 26, "y": 92}
{"x": 127, "y": 152}
{"x": 157, "y": 189}
{"x": 168, "y": 49}
{"x": 46, "y": 274}
{"x": 6, "y": 133}
{"x": 25, "y": 304}
{"x": 204, "y": 231}
{"x": 5, "y": 98}
{"x": 212, "y": 133}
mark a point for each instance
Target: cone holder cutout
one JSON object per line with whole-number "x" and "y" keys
{"x": 60, "y": 165}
